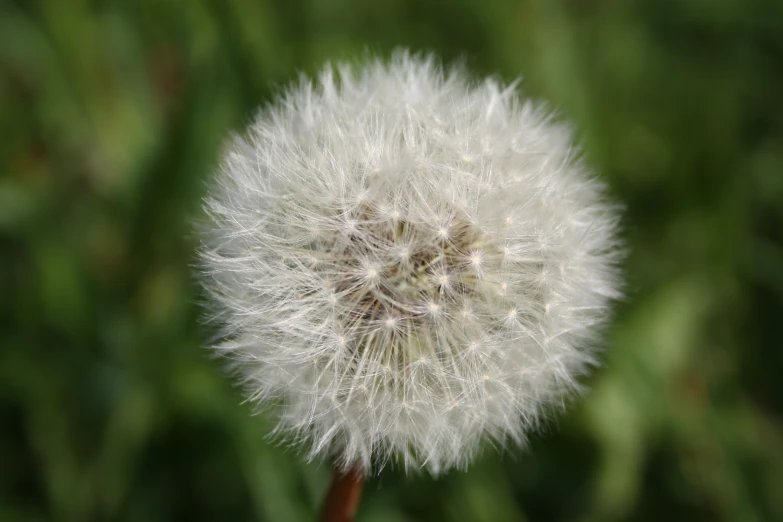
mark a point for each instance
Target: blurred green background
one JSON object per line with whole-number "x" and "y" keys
{"x": 112, "y": 117}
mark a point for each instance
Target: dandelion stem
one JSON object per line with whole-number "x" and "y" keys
{"x": 342, "y": 500}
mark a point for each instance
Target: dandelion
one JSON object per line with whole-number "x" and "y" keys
{"x": 407, "y": 263}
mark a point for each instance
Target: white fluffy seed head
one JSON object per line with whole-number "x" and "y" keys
{"x": 407, "y": 263}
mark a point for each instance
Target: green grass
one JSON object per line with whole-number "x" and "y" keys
{"x": 112, "y": 116}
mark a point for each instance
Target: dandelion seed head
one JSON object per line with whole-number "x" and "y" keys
{"x": 446, "y": 212}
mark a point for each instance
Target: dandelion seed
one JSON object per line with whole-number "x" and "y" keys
{"x": 416, "y": 257}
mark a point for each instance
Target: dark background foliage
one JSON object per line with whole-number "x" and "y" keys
{"x": 112, "y": 117}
